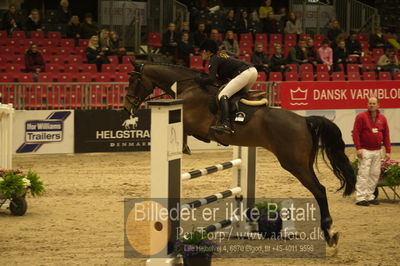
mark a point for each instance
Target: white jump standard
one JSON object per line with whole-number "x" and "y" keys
{"x": 6, "y": 133}
{"x": 166, "y": 176}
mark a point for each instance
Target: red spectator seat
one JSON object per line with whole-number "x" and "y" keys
{"x": 245, "y": 51}
{"x": 275, "y": 76}
{"x": 246, "y": 37}
{"x": 306, "y": 68}
{"x": 11, "y": 42}
{"x": 7, "y": 50}
{"x": 322, "y": 68}
{"x": 291, "y": 76}
{"x": 384, "y": 76}
{"x": 196, "y": 62}
{"x": 261, "y": 76}
{"x": 261, "y": 37}
{"x": 20, "y": 34}
{"x": 122, "y": 76}
{"x": 83, "y": 43}
{"x": 18, "y": 59}
{"x": 48, "y": 51}
{"x": 24, "y": 43}
{"x": 319, "y": 37}
{"x": 396, "y": 76}
{"x": 292, "y": 68}
{"x": 84, "y": 77}
{"x": 290, "y": 38}
{"x": 127, "y": 59}
{"x": 377, "y": 52}
{"x": 353, "y": 76}
{"x": 337, "y": 76}
{"x": 54, "y": 35}
{"x": 102, "y": 77}
{"x": 14, "y": 68}
{"x": 3, "y": 34}
{"x": 366, "y": 59}
{"x": 54, "y": 68}
{"x": 24, "y": 77}
{"x": 124, "y": 68}
{"x": 56, "y": 59}
{"x": 304, "y": 36}
{"x": 74, "y": 59}
{"x": 260, "y": 86}
{"x": 113, "y": 59}
{"x": 245, "y": 57}
{"x": 89, "y": 68}
{"x": 108, "y": 68}
{"x": 369, "y": 76}
{"x": 307, "y": 76}
{"x": 353, "y": 68}
{"x": 65, "y": 77}
{"x": 246, "y": 44}
{"x": 322, "y": 76}
{"x": 50, "y": 42}
{"x": 7, "y": 77}
{"x": 275, "y": 37}
{"x": 70, "y": 43}
{"x": 64, "y": 51}
{"x": 39, "y": 42}
{"x": 71, "y": 68}
{"x": 364, "y": 45}
{"x": 362, "y": 37}
{"x": 353, "y": 59}
{"x": 154, "y": 39}
{"x": 46, "y": 77}
{"x": 37, "y": 34}
{"x": 368, "y": 67}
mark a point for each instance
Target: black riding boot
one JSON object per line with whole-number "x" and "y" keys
{"x": 225, "y": 125}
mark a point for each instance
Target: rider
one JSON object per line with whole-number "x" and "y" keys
{"x": 242, "y": 75}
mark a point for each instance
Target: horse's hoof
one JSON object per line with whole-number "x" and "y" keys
{"x": 333, "y": 240}
{"x": 186, "y": 150}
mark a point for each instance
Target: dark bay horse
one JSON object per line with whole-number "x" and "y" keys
{"x": 295, "y": 140}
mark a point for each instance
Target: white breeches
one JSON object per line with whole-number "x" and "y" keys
{"x": 369, "y": 169}
{"x": 246, "y": 79}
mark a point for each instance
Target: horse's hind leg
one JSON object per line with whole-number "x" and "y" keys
{"x": 306, "y": 175}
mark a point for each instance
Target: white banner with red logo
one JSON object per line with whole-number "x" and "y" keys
{"x": 338, "y": 95}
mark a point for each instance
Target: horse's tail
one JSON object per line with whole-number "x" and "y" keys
{"x": 328, "y": 138}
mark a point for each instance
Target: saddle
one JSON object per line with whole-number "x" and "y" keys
{"x": 242, "y": 105}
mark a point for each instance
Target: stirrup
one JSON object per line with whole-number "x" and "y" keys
{"x": 223, "y": 129}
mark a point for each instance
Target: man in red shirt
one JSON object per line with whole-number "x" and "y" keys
{"x": 369, "y": 132}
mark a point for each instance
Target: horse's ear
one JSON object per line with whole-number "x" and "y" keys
{"x": 138, "y": 67}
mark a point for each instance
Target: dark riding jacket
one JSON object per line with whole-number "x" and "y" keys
{"x": 225, "y": 68}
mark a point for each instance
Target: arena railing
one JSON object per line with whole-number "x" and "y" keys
{"x": 91, "y": 95}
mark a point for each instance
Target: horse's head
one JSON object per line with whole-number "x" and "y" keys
{"x": 136, "y": 92}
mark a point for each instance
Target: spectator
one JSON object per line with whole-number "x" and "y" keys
{"x": 230, "y": 22}
{"x": 311, "y": 53}
{"x": 34, "y": 21}
{"x": 74, "y": 30}
{"x": 89, "y": 27}
{"x": 278, "y": 61}
{"x": 340, "y": 55}
{"x": 186, "y": 28}
{"x": 12, "y": 19}
{"x": 185, "y": 48}
{"x": 94, "y": 54}
{"x": 214, "y": 35}
{"x": 260, "y": 59}
{"x": 200, "y": 35}
{"x": 325, "y": 54}
{"x": 104, "y": 41}
{"x": 170, "y": 41}
{"x": 370, "y": 131}
{"x": 231, "y": 45}
{"x": 298, "y": 53}
{"x": 244, "y": 23}
{"x": 282, "y": 17}
{"x": 116, "y": 47}
{"x": 63, "y": 12}
{"x": 271, "y": 24}
{"x": 353, "y": 45}
{"x": 34, "y": 61}
{"x": 293, "y": 24}
{"x": 263, "y": 12}
{"x": 334, "y": 30}
{"x": 388, "y": 62}
{"x": 377, "y": 40}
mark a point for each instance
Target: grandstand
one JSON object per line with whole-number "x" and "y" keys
{"x": 70, "y": 82}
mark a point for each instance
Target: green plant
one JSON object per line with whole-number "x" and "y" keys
{"x": 268, "y": 207}
{"x": 195, "y": 243}
{"x": 14, "y": 183}
{"x": 392, "y": 175}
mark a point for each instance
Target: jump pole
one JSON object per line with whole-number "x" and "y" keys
{"x": 166, "y": 177}
{"x": 6, "y": 133}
